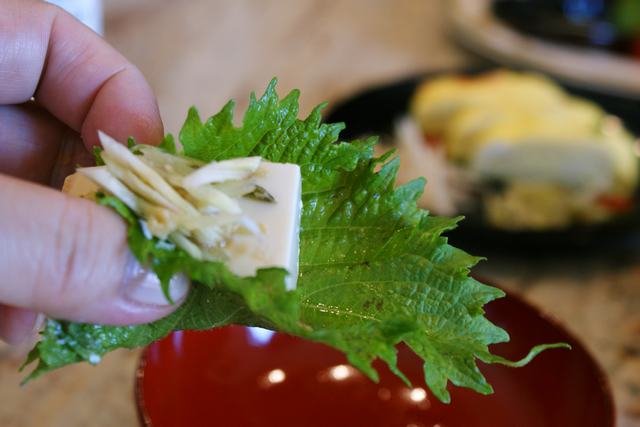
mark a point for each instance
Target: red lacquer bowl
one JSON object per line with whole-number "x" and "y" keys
{"x": 242, "y": 377}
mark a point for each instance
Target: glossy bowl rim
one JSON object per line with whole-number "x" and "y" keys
{"x": 599, "y": 373}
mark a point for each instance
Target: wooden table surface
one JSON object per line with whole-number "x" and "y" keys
{"x": 202, "y": 52}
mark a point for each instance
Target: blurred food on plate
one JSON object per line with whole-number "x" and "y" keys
{"x": 519, "y": 148}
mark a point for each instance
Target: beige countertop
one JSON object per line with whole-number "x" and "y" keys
{"x": 201, "y": 52}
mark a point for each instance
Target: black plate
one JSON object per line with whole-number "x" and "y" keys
{"x": 374, "y": 111}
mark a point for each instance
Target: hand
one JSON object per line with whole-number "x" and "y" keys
{"x": 61, "y": 256}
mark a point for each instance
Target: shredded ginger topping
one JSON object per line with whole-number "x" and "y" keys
{"x": 181, "y": 201}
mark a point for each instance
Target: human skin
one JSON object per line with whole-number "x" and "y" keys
{"x": 61, "y": 256}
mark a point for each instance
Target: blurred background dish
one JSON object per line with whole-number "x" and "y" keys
{"x": 260, "y": 379}
{"x": 608, "y": 25}
{"x": 530, "y": 163}
{"x": 593, "y": 43}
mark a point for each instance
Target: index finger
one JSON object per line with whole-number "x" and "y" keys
{"x": 72, "y": 72}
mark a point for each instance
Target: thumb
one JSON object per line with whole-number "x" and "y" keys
{"x": 68, "y": 258}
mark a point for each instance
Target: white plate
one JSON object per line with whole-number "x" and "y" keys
{"x": 475, "y": 26}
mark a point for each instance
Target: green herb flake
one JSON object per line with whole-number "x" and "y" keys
{"x": 261, "y": 194}
{"x": 97, "y": 155}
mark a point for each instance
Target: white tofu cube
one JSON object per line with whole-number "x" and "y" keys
{"x": 277, "y": 245}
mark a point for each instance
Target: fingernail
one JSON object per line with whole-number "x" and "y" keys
{"x": 39, "y": 323}
{"x": 142, "y": 286}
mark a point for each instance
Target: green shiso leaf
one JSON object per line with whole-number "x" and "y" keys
{"x": 374, "y": 269}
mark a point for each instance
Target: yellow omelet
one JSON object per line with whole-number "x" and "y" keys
{"x": 524, "y": 130}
